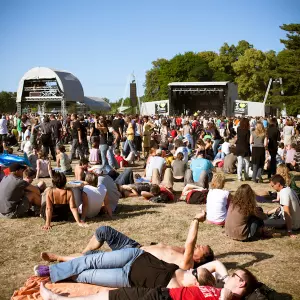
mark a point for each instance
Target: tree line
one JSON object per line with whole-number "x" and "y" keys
{"x": 250, "y": 68}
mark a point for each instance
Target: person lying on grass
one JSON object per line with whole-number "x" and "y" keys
{"x": 134, "y": 267}
{"x": 238, "y": 285}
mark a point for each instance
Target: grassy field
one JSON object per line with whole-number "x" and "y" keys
{"x": 274, "y": 261}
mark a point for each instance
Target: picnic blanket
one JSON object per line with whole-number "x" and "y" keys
{"x": 31, "y": 289}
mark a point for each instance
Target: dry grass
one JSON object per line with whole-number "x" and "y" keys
{"x": 274, "y": 261}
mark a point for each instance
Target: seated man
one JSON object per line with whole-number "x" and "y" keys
{"x": 17, "y": 195}
{"x": 289, "y": 216}
{"x": 81, "y": 169}
{"x": 230, "y": 162}
{"x": 117, "y": 240}
{"x": 236, "y": 286}
{"x": 200, "y": 172}
{"x": 93, "y": 198}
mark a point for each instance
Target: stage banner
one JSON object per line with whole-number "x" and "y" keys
{"x": 241, "y": 108}
{"x": 161, "y": 108}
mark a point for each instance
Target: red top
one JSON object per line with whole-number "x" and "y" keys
{"x": 169, "y": 194}
{"x": 173, "y": 133}
{"x": 120, "y": 158}
{"x": 178, "y": 121}
{"x": 195, "y": 293}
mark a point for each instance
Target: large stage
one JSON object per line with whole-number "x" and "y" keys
{"x": 209, "y": 97}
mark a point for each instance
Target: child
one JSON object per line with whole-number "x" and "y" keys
{"x": 43, "y": 165}
{"x": 33, "y": 157}
{"x": 280, "y": 154}
{"x": 81, "y": 169}
{"x": 290, "y": 156}
{"x": 225, "y": 146}
{"x": 94, "y": 155}
{"x": 63, "y": 161}
{"x": 27, "y": 147}
{"x": 120, "y": 159}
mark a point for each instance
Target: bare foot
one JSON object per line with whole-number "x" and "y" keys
{"x": 47, "y": 256}
{"x": 47, "y": 294}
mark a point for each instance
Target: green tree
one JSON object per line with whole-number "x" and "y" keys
{"x": 8, "y": 102}
{"x": 253, "y": 70}
{"x": 289, "y": 69}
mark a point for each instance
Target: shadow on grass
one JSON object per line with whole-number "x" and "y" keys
{"x": 259, "y": 256}
{"x": 121, "y": 208}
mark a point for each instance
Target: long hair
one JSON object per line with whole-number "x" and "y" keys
{"x": 244, "y": 123}
{"x": 244, "y": 200}
{"x": 259, "y": 129}
{"x": 283, "y": 170}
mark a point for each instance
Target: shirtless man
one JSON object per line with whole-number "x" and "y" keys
{"x": 170, "y": 254}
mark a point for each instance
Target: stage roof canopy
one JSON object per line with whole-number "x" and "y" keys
{"x": 96, "y": 103}
{"x": 212, "y": 83}
{"x": 67, "y": 83}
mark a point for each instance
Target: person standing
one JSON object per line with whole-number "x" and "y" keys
{"x": 3, "y": 128}
{"x": 288, "y": 132}
{"x": 46, "y": 137}
{"x": 56, "y": 129}
{"x": 259, "y": 141}
{"x": 274, "y": 137}
{"x": 243, "y": 149}
{"x": 76, "y": 136}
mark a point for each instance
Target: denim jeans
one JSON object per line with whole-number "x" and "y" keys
{"x": 132, "y": 146}
{"x": 215, "y": 146}
{"x": 204, "y": 179}
{"x": 111, "y": 158}
{"x": 76, "y": 145}
{"x": 220, "y": 155}
{"x": 103, "y": 152}
{"x": 243, "y": 163}
{"x": 109, "y": 269}
{"x": 115, "y": 239}
{"x": 125, "y": 178}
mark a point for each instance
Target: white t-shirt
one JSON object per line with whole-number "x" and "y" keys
{"x": 3, "y": 126}
{"x": 184, "y": 151}
{"x": 225, "y": 148}
{"x": 27, "y": 148}
{"x": 216, "y": 205}
{"x": 95, "y": 197}
{"x": 156, "y": 162}
{"x": 288, "y": 197}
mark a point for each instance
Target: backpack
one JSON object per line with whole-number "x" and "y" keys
{"x": 162, "y": 198}
{"x": 263, "y": 292}
{"x": 196, "y": 197}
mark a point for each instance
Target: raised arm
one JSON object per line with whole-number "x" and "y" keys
{"x": 190, "y": 242}
{"x": 217, "y": 267}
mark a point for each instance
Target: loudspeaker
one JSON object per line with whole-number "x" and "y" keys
{"x": 133, "y": 96}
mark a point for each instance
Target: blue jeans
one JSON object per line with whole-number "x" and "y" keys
{"x": 215, "y": 146}
{"x": 115, "y": 239}
{"x": 103, "y": 152}
{"x": 109, "y": 269}
{"x": 220, "y": 155}
{"x": 125, "y": 178}
{"x": 111, "y": 158}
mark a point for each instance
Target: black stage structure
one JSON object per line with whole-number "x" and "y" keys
{"x": 206, "y": 97}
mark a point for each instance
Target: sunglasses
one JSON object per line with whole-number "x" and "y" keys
{"x": 234, "y": 274}
{"x": 195, "y": 273}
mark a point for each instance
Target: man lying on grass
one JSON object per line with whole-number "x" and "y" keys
{"x": 240, "y": 284}
{"x": 181, "y": 256}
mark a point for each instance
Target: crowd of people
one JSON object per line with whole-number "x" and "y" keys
{"x": 196, "y": 150}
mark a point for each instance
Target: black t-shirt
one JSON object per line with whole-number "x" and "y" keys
{"x": 12, "y": 191}
{"x": 76, "y": 128}
{"x": 46, "y": 128}
{"x": 149, "y": 272}
{"x": 56, "y": 126}
{"x": 83, "y": 130}
{"x": 116, "y": 124}
{"x": 274, "y": 137}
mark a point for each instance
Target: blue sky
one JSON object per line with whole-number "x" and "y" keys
{"x": 102, "y": 42}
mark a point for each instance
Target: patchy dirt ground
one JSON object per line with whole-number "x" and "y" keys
{"x": 274, "y": 261}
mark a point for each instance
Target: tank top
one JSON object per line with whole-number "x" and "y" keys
{"x": 64, "y": 162}
{"x": 44, "y": 171}
{"x": 148, "y": 271}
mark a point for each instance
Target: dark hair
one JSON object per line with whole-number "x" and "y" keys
{"x": 278, "y": 179}
{"x": 207, "y": 257}
{"x": 251, "y": 283}
{"x": 62, "y": 148}
{"x": 59, "y": 180}
{"x": 46, "y": 119}
{"x": 244, "y": 123}
{"x": 83, "y": 161}
{"x": 226, "y": 139}
{"x": 281, "y": 145}
{"x": 155, "y": 189}
{"x": 178, "y": 143}
{"x": 91, "y": 179}
{"x": 179, "y": 156}
{"x": 273, "y": 122}
{"x": 29, "y": 172}
{"x": 75, "y": 116}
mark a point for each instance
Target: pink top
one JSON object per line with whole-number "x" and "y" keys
{"x": 94, "y": 156}
{"x": 290, "y": 154}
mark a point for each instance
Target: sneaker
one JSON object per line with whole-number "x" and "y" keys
{"x": 41, "y": 271}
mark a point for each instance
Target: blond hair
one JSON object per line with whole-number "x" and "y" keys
{"x": 218, "y": 181}
{"x": 283, "y": 170}
{"x": 260, "y": 129}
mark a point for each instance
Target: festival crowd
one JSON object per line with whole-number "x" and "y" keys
{"x": 197, "y": 150}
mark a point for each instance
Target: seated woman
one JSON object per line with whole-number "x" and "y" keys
{"x": 63, "y": 161}
{"x": 217, "y": 201}
{"x": 59, "y": 200}
{"x": 93, "y": 198}
{"x": 288, "y": 177}
{"x": 178, "y": 167}
{"x": 43, "y": 165}
{"x": 244, "y": 220}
